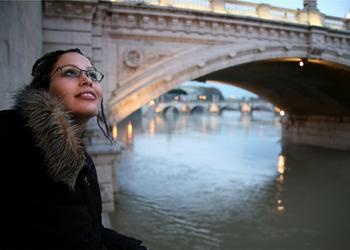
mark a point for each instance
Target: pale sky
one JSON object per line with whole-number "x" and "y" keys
{"x": 338, "y": 8}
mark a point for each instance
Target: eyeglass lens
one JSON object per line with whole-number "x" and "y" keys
{"x": 71, "y": 71}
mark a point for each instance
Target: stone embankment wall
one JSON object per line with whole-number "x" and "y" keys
{"x": 324, "y": 131}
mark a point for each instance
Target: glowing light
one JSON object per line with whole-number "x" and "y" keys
{"x": 202, "y": 97}
{"x": 281, "y": 164}
{"x": 301, "y": 64}
{"x": 152, "y": 127}
{"x": 185, "y": 109}
{"x": 151, "y": 103}
{"x": 282, "y": 113}
{"x": 114, "y": 131}
{"x": 129, "y": 127}
{"x": 245, "y": 108}
{"x": 158, "y": 109}
{"x": 280, "y": 206}
{"x": 214, "y": 108}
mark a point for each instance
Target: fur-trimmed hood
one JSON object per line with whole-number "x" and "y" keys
{"x": 54, "y": 133}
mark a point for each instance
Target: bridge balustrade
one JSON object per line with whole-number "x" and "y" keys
{"x": 265, "y": 11}
{"x": 335, "y": 23}
{"x": 241, "y": 8}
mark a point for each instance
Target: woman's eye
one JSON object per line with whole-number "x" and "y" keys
{"x": 92, "y": 75}
{"x": 71, "y": 73}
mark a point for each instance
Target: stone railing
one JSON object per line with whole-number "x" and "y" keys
{"x": 265, "y": 11}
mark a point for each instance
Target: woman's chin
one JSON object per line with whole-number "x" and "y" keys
{"x": 83, "y": 117}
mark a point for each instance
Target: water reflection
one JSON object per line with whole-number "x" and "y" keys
{"x": 281, "y": 167}
{"x": 129, "y": 132}
{"x": 114, "y": 131}
{"x": 225, "y": 182}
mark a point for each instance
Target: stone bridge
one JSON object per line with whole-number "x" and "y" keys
{"x": 158, "y": 46}
{"x": 210, "y": 107}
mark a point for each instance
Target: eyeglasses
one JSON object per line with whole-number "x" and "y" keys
{"x": 73, "y": 71}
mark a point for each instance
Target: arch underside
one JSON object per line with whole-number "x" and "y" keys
{"x": 317, "y": 88}
{"x": 271, "y": 71}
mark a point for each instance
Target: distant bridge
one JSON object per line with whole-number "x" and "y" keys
{"x": 191, "y": 107}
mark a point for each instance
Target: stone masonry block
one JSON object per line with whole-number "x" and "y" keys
{"x": 64, "y": 37}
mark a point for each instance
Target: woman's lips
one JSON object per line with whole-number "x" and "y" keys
{"x": 87, "y": 95}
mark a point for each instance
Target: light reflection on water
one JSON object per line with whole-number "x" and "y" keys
{"x": 223, "y": 182}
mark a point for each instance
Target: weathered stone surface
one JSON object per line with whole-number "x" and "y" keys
{"x": 20, "y": 45}
{"x": 324, "y": 131}
{"x": 105, "y": 156}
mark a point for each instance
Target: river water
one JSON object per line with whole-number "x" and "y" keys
{"x": 207, "y": 182}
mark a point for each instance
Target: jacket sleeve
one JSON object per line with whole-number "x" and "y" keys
{"x": 64, "y": 227}
{"x": 111, "y": 239}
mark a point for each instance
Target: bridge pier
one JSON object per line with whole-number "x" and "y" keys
{"x": 324, "y": 131}
{"x": 105, "y": 156}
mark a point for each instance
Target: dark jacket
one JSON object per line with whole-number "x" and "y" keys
{"x": 50, "y": 197}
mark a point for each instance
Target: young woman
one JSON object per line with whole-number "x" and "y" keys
{"x": 50, "y": 198}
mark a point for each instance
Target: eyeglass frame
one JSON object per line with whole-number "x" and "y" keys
{"x": 81, "y": 70}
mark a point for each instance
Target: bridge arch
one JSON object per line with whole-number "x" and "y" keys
{"x": 228, "y": 108}
{"x": 171, "y": 109}
{"x": 203, "y": 61}
{"x": 198, "y": 109}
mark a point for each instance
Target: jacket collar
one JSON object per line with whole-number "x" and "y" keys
{"x": 54, "y": 133}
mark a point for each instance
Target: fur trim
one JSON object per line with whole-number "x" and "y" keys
{"x": 54, "y": 133}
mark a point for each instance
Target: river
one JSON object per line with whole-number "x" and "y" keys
{"x": 207, "y": 182}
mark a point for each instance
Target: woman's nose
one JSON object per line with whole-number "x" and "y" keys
{"x": 84, "y": 80}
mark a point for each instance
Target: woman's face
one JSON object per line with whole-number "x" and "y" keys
{"x": 80, "y": 95}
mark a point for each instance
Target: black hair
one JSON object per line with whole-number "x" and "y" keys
{"x": 43, "y": 67}
{"x": 41, "y": 72}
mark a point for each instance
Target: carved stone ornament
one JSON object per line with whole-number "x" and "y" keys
{"x": 71, "y": 9}
{"x": 133, "y": 57}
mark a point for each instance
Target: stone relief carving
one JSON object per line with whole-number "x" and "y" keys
{"x": 69, "y": 9}
{"x": 133, "y": 57}
{"x": 137, "y": 58}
